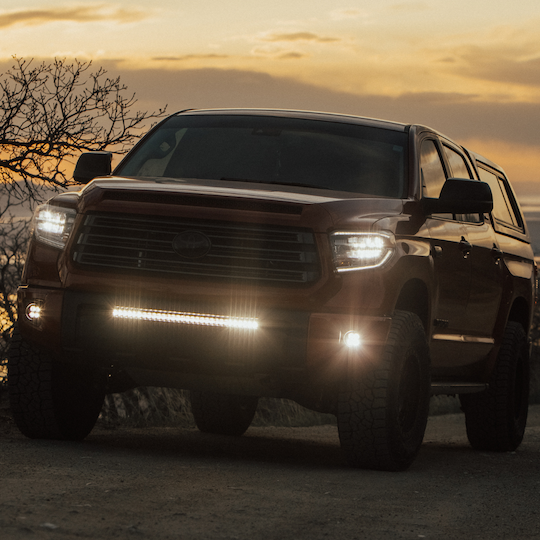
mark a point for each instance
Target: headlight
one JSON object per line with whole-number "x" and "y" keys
{"x": 357, "y": 251}
{"x": 53, "y": 224}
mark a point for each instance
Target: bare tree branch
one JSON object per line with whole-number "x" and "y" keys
{"x": 49, "y": 114}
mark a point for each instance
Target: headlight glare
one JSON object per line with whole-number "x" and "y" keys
{"x": 357, "y": 251}
{"x": 53, "y": 224}
{"x": 352, "y": 340}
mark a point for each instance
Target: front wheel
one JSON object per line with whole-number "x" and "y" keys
{"x": 383, "y": 406}
{"x": 496, "y": 418}
{"x": 49, "y": 399}
{"x": 223, "y": 414}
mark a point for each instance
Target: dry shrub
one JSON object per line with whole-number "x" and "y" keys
{"x": 287, "y": 413}
{"x": 147, "y": 406}
{"x": 151, "y": 406}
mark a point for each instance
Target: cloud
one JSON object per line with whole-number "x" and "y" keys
{"x": 460, "y": 116}
{"x": 508, "y": 131}
{"x": 276, "y": 52}
{"x": 292, "y": 55}
{"x": 299, "y": 36}
{"x": 79, "y": 14}
{"x": 184, "y": 57}
{"x": 506, "y": 65}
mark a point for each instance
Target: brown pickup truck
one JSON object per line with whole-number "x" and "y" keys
{"x": 356, "y": 266}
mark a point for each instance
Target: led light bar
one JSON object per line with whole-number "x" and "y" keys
{"x": 181, "y": 317}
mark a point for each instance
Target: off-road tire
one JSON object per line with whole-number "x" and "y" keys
{"x": 383, "y": 404}
{"x": 496, "y": 418}
{"x": 223, "y": 414}
{"x": 51, "y": 400}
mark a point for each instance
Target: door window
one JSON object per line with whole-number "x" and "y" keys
{"x": 457, "y": 163}
{"x": 460, "y": 169}
{"x": 432, "y": 170}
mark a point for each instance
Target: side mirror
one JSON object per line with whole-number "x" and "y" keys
{"x": 461, "y": 196}
{"x": 92, "y": 164}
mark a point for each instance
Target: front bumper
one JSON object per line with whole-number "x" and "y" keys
{"x": 288, "y": 345}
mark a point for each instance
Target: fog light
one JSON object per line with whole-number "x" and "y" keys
{"x": 352, "y": 340}
{"x": 33, "y": 312}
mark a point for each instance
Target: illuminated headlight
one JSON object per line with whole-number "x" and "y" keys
{"x": 53, "y": 224}
{"x": 183, "y": 317}
{"x": 357, "y": 251}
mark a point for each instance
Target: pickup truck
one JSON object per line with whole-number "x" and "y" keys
{"x": 356, "y": 266}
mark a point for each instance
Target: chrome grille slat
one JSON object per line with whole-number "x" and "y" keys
{"x": 242, "y": 252}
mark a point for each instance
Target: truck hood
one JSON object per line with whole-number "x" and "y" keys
{"x": 220, "y": 188}
{"x": 311, "y": 207}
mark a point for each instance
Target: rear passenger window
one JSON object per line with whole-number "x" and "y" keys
{"x": 505, "y": 210}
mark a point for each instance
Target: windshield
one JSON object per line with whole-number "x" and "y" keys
{"x": 274, "y": 150}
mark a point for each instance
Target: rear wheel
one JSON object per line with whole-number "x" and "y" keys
{"x": 496, "y": 418}
{"x": 383, "y": 407}
{"x": 223, "y": 414}
{"x": 49, "y": 399}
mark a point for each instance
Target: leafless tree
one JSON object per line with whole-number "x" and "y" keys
{"x": 49, "y": 114}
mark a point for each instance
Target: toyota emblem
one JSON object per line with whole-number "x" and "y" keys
{"x": 191, "y": 244}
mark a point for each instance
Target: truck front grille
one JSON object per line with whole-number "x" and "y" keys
{"x": 204, "y": 249}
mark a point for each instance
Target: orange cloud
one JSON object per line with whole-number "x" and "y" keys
{"x": 300, "y": 36}
{"x": 505, "y": 65}
{"x": 80, "y": 14}
{"x": 506, "y": 133}
{"x": 189, "y": 57}
{"x": 292, "y": 55}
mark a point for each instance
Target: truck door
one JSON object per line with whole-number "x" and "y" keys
{"x": 450, "y": 249}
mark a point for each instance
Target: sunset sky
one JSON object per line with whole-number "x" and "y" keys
{"x": 469, "y": 68}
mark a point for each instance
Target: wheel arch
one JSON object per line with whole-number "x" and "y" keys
{"x": 414, "y": 297}
{"x": 520, "y": 312}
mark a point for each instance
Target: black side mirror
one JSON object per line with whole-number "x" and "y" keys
{"x": 92, "y": 164}
{"x": 461, "y": 196}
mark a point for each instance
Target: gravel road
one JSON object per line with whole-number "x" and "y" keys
{"x": 272, "y": 483}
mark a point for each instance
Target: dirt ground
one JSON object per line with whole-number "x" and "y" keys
{"x": 272, "y": 483}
